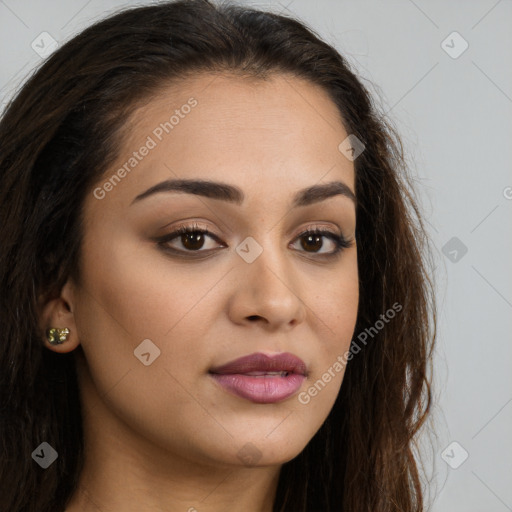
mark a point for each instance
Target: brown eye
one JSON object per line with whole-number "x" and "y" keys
{"x": 187, "y": 240}
{"x": 193, "y": 240}
{"x": 313, "y": 241}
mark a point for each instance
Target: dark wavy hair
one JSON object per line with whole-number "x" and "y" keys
{"x": 60, "y": 134}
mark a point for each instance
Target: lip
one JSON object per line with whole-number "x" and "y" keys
{"x": 254, "y": 377}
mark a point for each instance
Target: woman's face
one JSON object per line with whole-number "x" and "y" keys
{"x": 159, "y": 315}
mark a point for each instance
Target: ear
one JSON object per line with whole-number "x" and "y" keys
{"x": 59, "y": 312}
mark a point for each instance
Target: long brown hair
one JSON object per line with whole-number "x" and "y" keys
{"x": 63, "y": 130}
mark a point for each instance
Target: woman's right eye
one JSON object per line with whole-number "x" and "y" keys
{"x": 191, "y": 238}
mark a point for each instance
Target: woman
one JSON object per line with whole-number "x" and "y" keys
{"x": 286, "y": 367}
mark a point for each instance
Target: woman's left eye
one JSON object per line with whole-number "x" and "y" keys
{"x": 192, "y": 239}
{"x": 312, "y": 238}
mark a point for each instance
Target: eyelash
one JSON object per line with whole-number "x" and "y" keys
{"x": 340, "y": 242}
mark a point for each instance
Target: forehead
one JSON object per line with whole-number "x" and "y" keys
{"x": 279, "y": 133}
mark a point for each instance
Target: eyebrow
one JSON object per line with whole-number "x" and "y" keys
{"x": 232, "y": 194}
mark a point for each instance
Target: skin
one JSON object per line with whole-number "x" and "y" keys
{"x": 166, "y": 437}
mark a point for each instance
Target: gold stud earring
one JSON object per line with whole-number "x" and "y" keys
{"x": 56, "y": 336}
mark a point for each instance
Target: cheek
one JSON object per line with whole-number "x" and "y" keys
{"x": 124, "y": 301}
{"x": 336, "y": 315}
{"x": 142, "y": 297}
{"x": 336, "y": 307}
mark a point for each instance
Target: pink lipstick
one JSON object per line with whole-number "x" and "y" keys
{"x": 260, "y": 378}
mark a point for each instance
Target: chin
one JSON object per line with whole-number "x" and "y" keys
{"x": 258, "y": 451}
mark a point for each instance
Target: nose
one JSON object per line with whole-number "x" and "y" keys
{"x": 267, "y": 292}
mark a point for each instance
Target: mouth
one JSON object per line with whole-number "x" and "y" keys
{"x": 260, "y": 378}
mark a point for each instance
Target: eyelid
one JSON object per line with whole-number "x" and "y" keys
{"x": 196, "y": 226}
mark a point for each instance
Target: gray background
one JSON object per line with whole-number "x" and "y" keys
{"x": 454, "y": 115}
